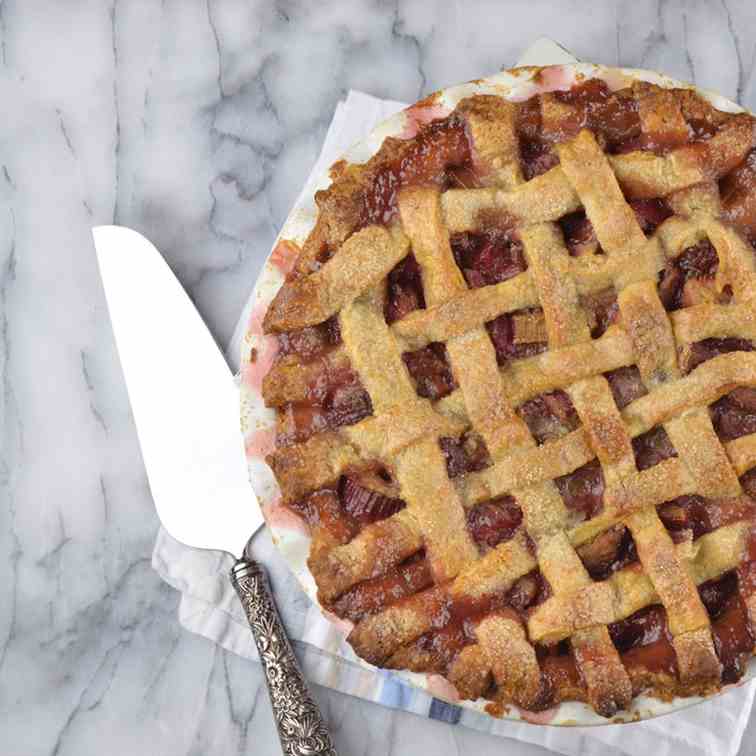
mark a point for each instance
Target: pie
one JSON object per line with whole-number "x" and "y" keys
{"x": 515, "y": 392}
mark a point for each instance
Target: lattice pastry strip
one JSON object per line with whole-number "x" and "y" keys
{"x": 309, "y": 300}
{"x": 420, "y": 468}
{"x": 544, "y": 512}
{"x": 471, "y": 355}
{"x": 687, "y": 616}
{"x": 513, "y": 661}
{"x": 709, "y": 557}
{"x": 698, "y": 447}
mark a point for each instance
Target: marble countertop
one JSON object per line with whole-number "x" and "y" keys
{"x": 196, "y": 123}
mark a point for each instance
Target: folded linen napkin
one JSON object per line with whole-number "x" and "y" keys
{"x": 209, "y": 605}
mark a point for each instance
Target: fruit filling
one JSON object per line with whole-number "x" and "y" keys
{"x": 699, "y": 516}
{"x": 405, "y": 290}
{"x": 608, "y": 552}
{"x": 329, "y": 406}
{"x": 518, "y": 334}
{"x": 372, "y": 596}
{"x": 733, "y": 639}
{"x": 601, "y": 309}
{"x": 688, "y": 279}
{"x": 309, "y": 343}
{"x": 487, "y": 258}
{"x": 626, "y": 385}
{"x": 583, "y": 490}
{"x": 493, "y": 522}
{"x": 707, "y": 349}
{"x": 467, "y": 453}
{"x": 365, "y": 505}
{"x": 652, "y": 447}
{"x": 643, "y": 639}
{"x": 430, "y": 370}
{"x": 549, "y": 416}
{"x": 580, "y": 237}
{"x": 439, "y": 146}
{"x": 734, "y": 415}
{"x": 738, "y": 192}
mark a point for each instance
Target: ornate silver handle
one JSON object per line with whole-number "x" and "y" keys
{"x": 300, "y": 726}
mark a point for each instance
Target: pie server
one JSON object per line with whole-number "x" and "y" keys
{"x": 186, "y": 410}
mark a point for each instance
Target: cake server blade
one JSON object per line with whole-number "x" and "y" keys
{"x": 183, "y": 397}
{"x": 186, "y": 409}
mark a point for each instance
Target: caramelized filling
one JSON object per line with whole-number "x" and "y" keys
{"x": 405, "y": 290}
{"x": 643, "y": 640}
{"x": 732, "y": 636}
{"x": 529, "y": 591}
{"x": 365, "y": 505}
{"x": 608, "y": 552}
{"x": 322, "y": 509}
{"x": 549, "y": 416}
{"x": 613, "y": 116}
{"x": 309, "y": 343}
{"x": 536, "y": 154}
{"x": 446, "y": 642}
{"x": 705, "y": 350}
{"x": 696, "y": 263}
{"x": 493, "y": 522}
{"x": 335, "y": 401}
{"x": 602, "y": 310}
{"x": 559, "y": 673}
{"x": 626, "y": 385}
{"x": 487, "y": 258}
{"x": 508, "y": 343}
{"x": 583, "y": 490}
{"x": 371, "y": 596}
{"x": 739, "y": 197}
{"x": 700, "y": 515}
{"x": 462, "y": 177}
{"x": 734, "y": 415}
{"x": 465, "y": 454}
{"x": 430, "y": 370}
{"x": 748, "y": 481}
{"x": 579, "y": 236}
{"x": 438, "y": 146}
{"x": 716, "y": 593}
{"x": 651, "y": 213}
{"x": 652, "y": 447}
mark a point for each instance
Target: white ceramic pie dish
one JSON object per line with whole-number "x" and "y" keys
{"x": 258, "y": 422}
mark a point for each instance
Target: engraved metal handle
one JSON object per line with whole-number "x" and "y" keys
{"x": 300, "y": 725}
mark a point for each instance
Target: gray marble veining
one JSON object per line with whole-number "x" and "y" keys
{"x": 196, "y": 123}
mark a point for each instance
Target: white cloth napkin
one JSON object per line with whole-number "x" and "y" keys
{"x": 209, "y": 605}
